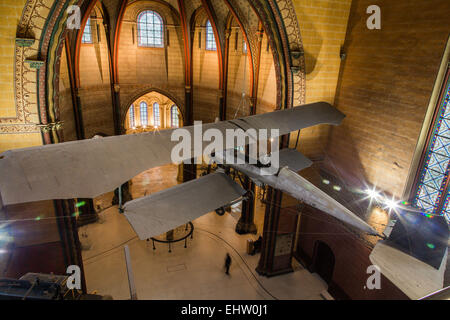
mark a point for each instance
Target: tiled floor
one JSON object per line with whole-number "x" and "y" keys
{"x": 195, "y": 272}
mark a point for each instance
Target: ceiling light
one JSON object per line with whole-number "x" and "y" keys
{"x": 337, "y": 188}
{"x": 391, "y": 204}
{"x": 325, "y": 181}
{"x": 373, "y": 194}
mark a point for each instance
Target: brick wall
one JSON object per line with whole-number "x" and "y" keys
{"x": 267, "y": 84}
{"x": 141, "y": 68}
{"x": 205, "y": 68}
{"x": 323, "y": 25}
{"x": 351, "y": 257}
{"x": 11, "y": 11}
{"x": 95, "y": 89}
{"x": 385, "y": 85}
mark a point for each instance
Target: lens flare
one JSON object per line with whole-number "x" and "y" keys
{"x": 373, "y": 194}
{"x": 431, "y": 246}
{"x": 391, "y": 204}
{"x": 80, "y": 204}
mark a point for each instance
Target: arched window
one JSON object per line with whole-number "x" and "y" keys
{"x": 144, "y": 114}
{"x": 132, "y": 120}
{"x": 87, "y": 34}
{"x": 210, "y": 39}
{"x": 174, "y": 117}
{"x": 150, "y": 29}
{"x": 156, "y": 115}
{"x": 432, "y": 192}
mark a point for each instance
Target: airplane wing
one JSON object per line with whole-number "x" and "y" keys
{"x": 168, "y": 209}
{"x": 89, "y": 168}
{"x": 293, "y": 159}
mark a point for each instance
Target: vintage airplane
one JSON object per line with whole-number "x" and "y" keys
{"x": 89, "y": 168}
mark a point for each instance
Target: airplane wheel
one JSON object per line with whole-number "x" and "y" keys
{"x": 220, "y": 211}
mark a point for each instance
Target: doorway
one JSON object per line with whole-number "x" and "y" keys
{"x": 324, "y": 261}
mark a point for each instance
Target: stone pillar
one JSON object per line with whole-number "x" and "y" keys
{"x": 189, "y": 170}
{"x": 116, "y": 109}
{"x": 86, "y": 213}
{"x": 126, "y": 195}
{"x": 246, "y": 223}
{"x": 280, "y": 225}
{"x": 3, "y": 244}
{"x": 68, "y": 231}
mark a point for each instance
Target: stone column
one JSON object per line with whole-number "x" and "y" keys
{"x": 280, "y": 226}
{"x": 246, "y": 223}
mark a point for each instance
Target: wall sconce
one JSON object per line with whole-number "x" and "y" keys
{"x": 343, "y": 54}
{"x": 296, "y": 57}
{"x": 54, "y": 126}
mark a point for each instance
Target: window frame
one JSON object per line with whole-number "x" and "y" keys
{"x": 131, "y": 117}
{"x": 156, "y": 115}
{"x": 139, "y": 30}
{"x": 210, "y": 37}
{"x": 177, "y": 112}
{"x": 244, "y": 47}
{"x": 91, "y": 35}
{"x": 141, "y": 109}
{"x": 441, "y": 113}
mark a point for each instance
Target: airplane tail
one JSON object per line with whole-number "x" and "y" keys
{"x": 293, "y": 159}
{"x": 301, "y": 189}
{"x": 414, "y": 255}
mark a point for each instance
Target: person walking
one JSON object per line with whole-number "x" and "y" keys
{"x": 227, "y": 264}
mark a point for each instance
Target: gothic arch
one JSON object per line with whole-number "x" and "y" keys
{"x": 142, "y": 93}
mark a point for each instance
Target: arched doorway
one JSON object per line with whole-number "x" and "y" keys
{"x": 324, "y": 261}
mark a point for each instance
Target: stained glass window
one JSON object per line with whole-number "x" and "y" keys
{"x": 210, "y": 39}
{"x": 156, "y": 115}
{"x": 144, "y": 114}
{"x": 175, "y": 120}
{"x": 150, "y": 30}
{"x": 132, "y": 120}
{"x": 87, "y": 34}
{"x": 433, "y": 191}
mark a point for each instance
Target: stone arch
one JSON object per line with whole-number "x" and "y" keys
{"x": 287, "y": 48}
{"x": 142, "y": 93}
{"x": 297, "y": 58}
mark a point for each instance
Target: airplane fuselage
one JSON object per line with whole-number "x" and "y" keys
{"x": 296, "y": 186}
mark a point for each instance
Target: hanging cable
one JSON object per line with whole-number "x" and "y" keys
{"x": 242, "y": 102}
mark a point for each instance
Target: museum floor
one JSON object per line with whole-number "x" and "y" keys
{"x": 195, "y": 272}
